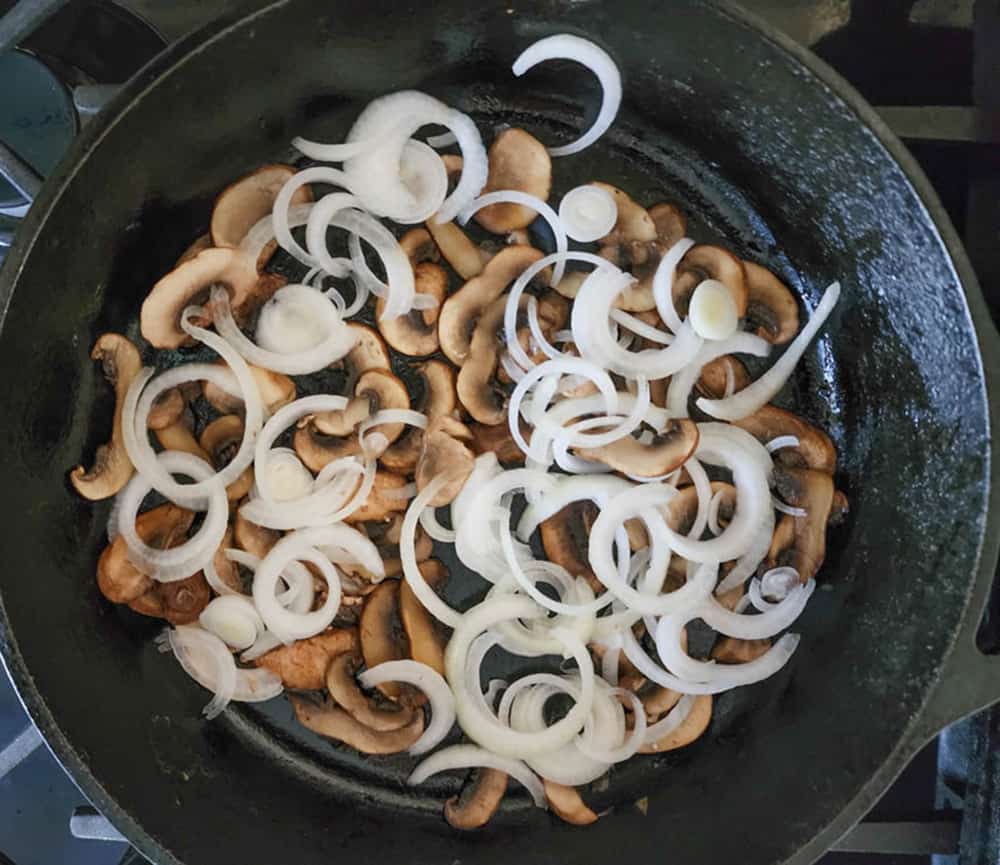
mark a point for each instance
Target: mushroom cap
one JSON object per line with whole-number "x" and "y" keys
{"x": 121, "y": 363}
{"x": 714, "y": 378}
{"x": 465, "y": 258}
{"x": 374, "y": 391}
{"x": 683, "y": 508}
{"x": 317, "y": 450}
{"x": 771, "y": 306}
{"x": 383, "y": 638}
{"x": 460, "y": 312}
{"x": 427, "y": 645}
{"x": 670, "y": 222}
{"x": 439, "y": 398}
{"x": 167, "y": 409}
{"x": 498, "y": 440}
{"x": 564, "y": 539}
{"x": 328, "y": 720}
{"x": 253, "y": 539}
{"x": 567, "y": 804}
{"x": 302, "y": 665}
{"x": 199, "y": 244}
{"x": 221, "y": 439}
{"x": 476, "y": 390}
{"x": 518, "y": 161}
{"x": 346, "y": 693}
{"x": 276, "y": 390}
{"x": 478, "y": 802}
{"x": 690, "y": 728}
{"x": 183, "y": 600}
{"x": 667, "y": 451}
{"x": 419, "y": 246}
{"x": 369, "y": 352}
{"x": 384, "y": 499}
{"x": 161, "y": 527}
{"x": 815, "y": 450}
{"x": 657, "y": 700}
{"x": 800, "y": 542}
{"x": 159, "y": 319}
{"x": 244, "y": 203}
{"x": 444, "y": 452}
{"x": 731, "y": 650}
{"x": 704, "y": 262}
{"x": 415, "y": 333}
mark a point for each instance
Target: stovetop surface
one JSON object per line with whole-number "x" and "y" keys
{"x": 898, "y": 53}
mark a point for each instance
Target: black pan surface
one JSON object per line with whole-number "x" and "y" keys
{"x": 765, "y": 151}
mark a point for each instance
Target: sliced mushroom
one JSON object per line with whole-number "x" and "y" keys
{"x": 520, "y": 162}
{"x": 691, "y": 728}
{"x": 221, "y": 440}
{"x": 383, "y": 638}
{"x": 715, "y": 377}
{"x": 385, "y": 536}
{"x": 666, "y": 452}
{"x": 461, "y": 311}
{"x": 347, "y": 694}
{"x": 567, "y": 804}
{"x": 730, "y": 599}
{"x": 276, "y": 390}
{"x": 815, "y": 450}
{"x": 438, "y": 399}
{"x": 252, "y": 538}
{"x": 334, "y": 723}
{"x": 200, "y": 244}
{"x": 637, "y": 243}
{"x": 564, "y": 538}
{"x": 385, "y": 499}
{"x": 161, "y": 527}
{"x": 112, "y": 468}
{"x": 445, "y": 452}
{"x": 657, "y": 700}
{"x": 730, "y": 650}
{"x": 683, "y": 508}
{"x": 427, "y": 645}
{"x": 479, "y": 800}
{"x": 161, "y": 311}
{"x": 184, "y": 600}
{"x": 415, "y": 333}
{"x": 710, "y": 262}
{"x": 179, "y": 437}
{"x": 419, "y": 246}
{"x": 497, "y": 440}
{"x": 227, "y": 569}
{"x": 477, "y": 390}
{"x": 302, "y": 665}
{"x": 771, "y": 307}
{"x": 369, "y": 353}
{"x": 374, "y": 391}
{"x": 465, "y": 258}
{"x": 800, "y": 542}
{"x": 244, "y": 203}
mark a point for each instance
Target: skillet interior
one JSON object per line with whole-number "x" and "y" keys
{"x": 751, "y": 145}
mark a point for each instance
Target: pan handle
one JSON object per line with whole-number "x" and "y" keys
{"x": 969, "y": 680}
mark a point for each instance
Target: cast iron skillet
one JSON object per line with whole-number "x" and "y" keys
{"x": 771, "y": 151}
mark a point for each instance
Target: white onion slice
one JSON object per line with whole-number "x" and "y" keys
{"x": 640, "y": 328}
{"x": 588, "y": 213}
{"x": 779, "y": 582}
{"x": 759, "y": 627}
{"x": 712, "y": 311}
{"x": 471, "y": 757}
{"x": 760, "y": 392}
{"x": 779, "y": 442}
{"x": 234, "y": 620}
{"x": 181, "y": 562}
{"x": 285, "y": 217}
{"x": 663, "y": 283}
{"x": 791, "y": 510}
{"x": 513, "y": 196}
{"x": 681, "y": 384}
{"x": 565, "y": 46}
{"x": 432, "y": 684}
{"x": 430, "y": 524}
{"x": 671, "y": 721}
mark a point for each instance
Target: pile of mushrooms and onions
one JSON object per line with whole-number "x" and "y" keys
{"x": 576, "y": 423}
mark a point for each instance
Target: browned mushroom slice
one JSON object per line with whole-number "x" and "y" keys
{"x": 221, "y": 440}
{"x": 800, "y": 542}
{"x": 815, "y": 450}
{"x": 477, "y": 390}
{"x": 730, "y": 650}
{"x": 427, "y": 645}
{"x": 385, "y": 535}
{"x": 416, "y": 333}
{"x": 383, "y": 638}
{"x": 462, "y": 310}
{"x": 479, "y": 800}
{"x": 667, "y": 451}
{"x": 569, "y": 285}
{"x": 376, "y": 390}
{"x": 567, "y": 804}
{"x": 465, "y": 258}
{"x": 771, "y": 307}
{"x": 670, "y": 222}
{"x": 564, "y": 538}
{"x": 691, "y": 728}
{"x": 161, "y": 311}
{"x": 161, "y": 527}
{"x": 520, "y": 162}
{"x": 302, "y": 665}
{"x": 227, "y": 569}
{"x": 179, "y": 437}
{"x": 438, "y": 399}
{"x": 112, "y": 468}
{"x": 710, "y": 262}
{"x": 183, "y": 600}
{"x": 657, "y": 700}
{"x": 717, "y": 375}
{"x": 334, "y": 723}
{"x": 419, "y": 246}
{"x": 347, "y": 694}
{"x": 244, "y": 203}
{"x": 385, "y": 499}
{"x": 628, "y": 676}
{"x": 369, "y": 352}
{"x": 497, "y": 440}
{"x": 276, "y": 390}
{"x": 445, "y": 453}
{"x": 252, "y": 538}
{"x": 683, "y": 508}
